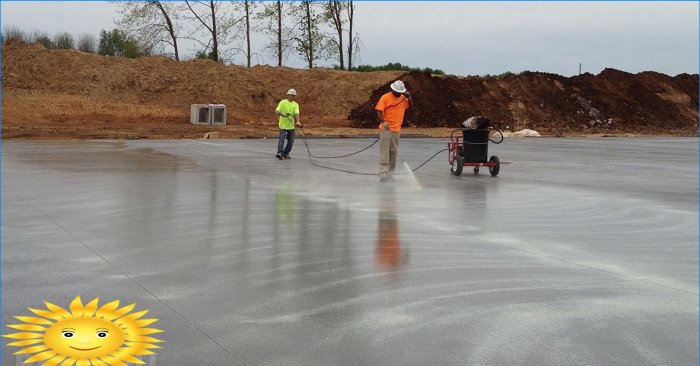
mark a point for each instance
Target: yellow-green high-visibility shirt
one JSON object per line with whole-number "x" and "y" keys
{"x": 289, "y": 107}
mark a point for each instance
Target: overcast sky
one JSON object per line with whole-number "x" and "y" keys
{"x": 470, "y": 38}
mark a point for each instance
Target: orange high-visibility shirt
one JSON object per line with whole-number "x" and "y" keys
{"x": 392, "y": 108}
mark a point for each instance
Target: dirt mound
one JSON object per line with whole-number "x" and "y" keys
{"x": 67, "y": 93}
{"x": 71, "y": 94}
{"x": 610, "y": 101}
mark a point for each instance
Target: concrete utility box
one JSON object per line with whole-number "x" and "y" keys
{"x": 218, "y": 114}
{"x": 200, "y": 114}
{"x": 208, "y": 114}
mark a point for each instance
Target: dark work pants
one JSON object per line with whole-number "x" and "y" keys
{"x": 289, "y": 136}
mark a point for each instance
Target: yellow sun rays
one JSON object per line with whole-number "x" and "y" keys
{"x": 52, "y": 337}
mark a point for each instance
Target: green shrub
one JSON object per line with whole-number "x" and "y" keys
{"x": 87, "y": 43}
{"x": 396, "y": 67}
{"x": 41, "y": 38}
{"x": 499, "y": 76}
{"x": 63, "y": 41}
{"x": 204, "y": 55}
{"x": 117, "y": 43}
{"x": 45, "y": 41}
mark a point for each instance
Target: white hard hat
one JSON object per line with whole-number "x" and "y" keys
{"x": 398, "y": 86}
{"x": 291, "y": 92}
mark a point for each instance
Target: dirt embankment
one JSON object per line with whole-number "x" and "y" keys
{"x": 69, "y": 94}
{"x": 610, "y": 102}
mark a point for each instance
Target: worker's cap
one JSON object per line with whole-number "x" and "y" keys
{"x": 291, "y": 92}
{"x": 398, "y": 86}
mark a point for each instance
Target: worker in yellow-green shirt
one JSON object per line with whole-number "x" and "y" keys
{"x": 288, "y": 112}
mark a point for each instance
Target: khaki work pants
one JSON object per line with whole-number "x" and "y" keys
{"x": 388, "y": 150}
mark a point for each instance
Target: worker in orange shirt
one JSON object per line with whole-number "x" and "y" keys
{"x": 390, "y": 111}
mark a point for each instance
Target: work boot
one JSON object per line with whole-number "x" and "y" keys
{"x": 287, "y": 157}
{"x": 278, "y": 156}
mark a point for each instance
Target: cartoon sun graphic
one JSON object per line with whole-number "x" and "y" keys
{"x": 87, "y": 335}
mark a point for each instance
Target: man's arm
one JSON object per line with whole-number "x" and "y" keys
{"x": 277, "y": 109}
{"x": 380, "y": 117}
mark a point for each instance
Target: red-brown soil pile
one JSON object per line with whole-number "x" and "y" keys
{"x": 613, "y": 101}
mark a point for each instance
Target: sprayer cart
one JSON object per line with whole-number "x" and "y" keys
{"x": 471, "y": 149}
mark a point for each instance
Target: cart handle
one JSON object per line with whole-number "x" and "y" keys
{"x": 456, "y": 139}
{"x": 499, "y": 131}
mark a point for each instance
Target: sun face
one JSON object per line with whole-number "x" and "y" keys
{"x": 78, "y": 337}
{"x": 87, "y": 335}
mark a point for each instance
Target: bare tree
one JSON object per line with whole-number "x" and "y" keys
{"x": 244, "y": 25}
{"x": 166, "y": 10}
{"x": 310, "y": 42}
{"x": 333, "y": 13}
{"x": 152, "y": 23}
{"x": 12, "y": 33}
{"x": 214, "y": 20}
{"x": 353, "y": 39}
{"x": 280, "y": 35}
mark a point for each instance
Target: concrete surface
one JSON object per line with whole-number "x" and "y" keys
{"x": 581, "y": 251}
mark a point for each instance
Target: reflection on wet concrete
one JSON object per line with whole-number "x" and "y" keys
{"x": 105, "y": 156}
{"x": 389, "y": 254}
{"x": 286, "y": 204}
{"x": 575, "y": 254}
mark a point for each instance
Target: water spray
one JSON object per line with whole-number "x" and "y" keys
{"x": 311, "y": 156}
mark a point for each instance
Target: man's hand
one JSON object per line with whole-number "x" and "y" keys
{"x": 386, "y": 125}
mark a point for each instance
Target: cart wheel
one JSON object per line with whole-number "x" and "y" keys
{"x": 496, "y": 168}
{"x": 457, "y": 166}
{"x": 476, "y": 170}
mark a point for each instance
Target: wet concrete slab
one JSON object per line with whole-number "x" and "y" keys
{"x": 580, "y": 252}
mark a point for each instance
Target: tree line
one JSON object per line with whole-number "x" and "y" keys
{"x": 111, "y": 43}
{"x": 221, "y": 30}
{"x": 314, "y": 30}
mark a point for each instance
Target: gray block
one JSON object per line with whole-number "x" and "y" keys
{"x": 217, "y": 114}
{"x": 200, "y": 114}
